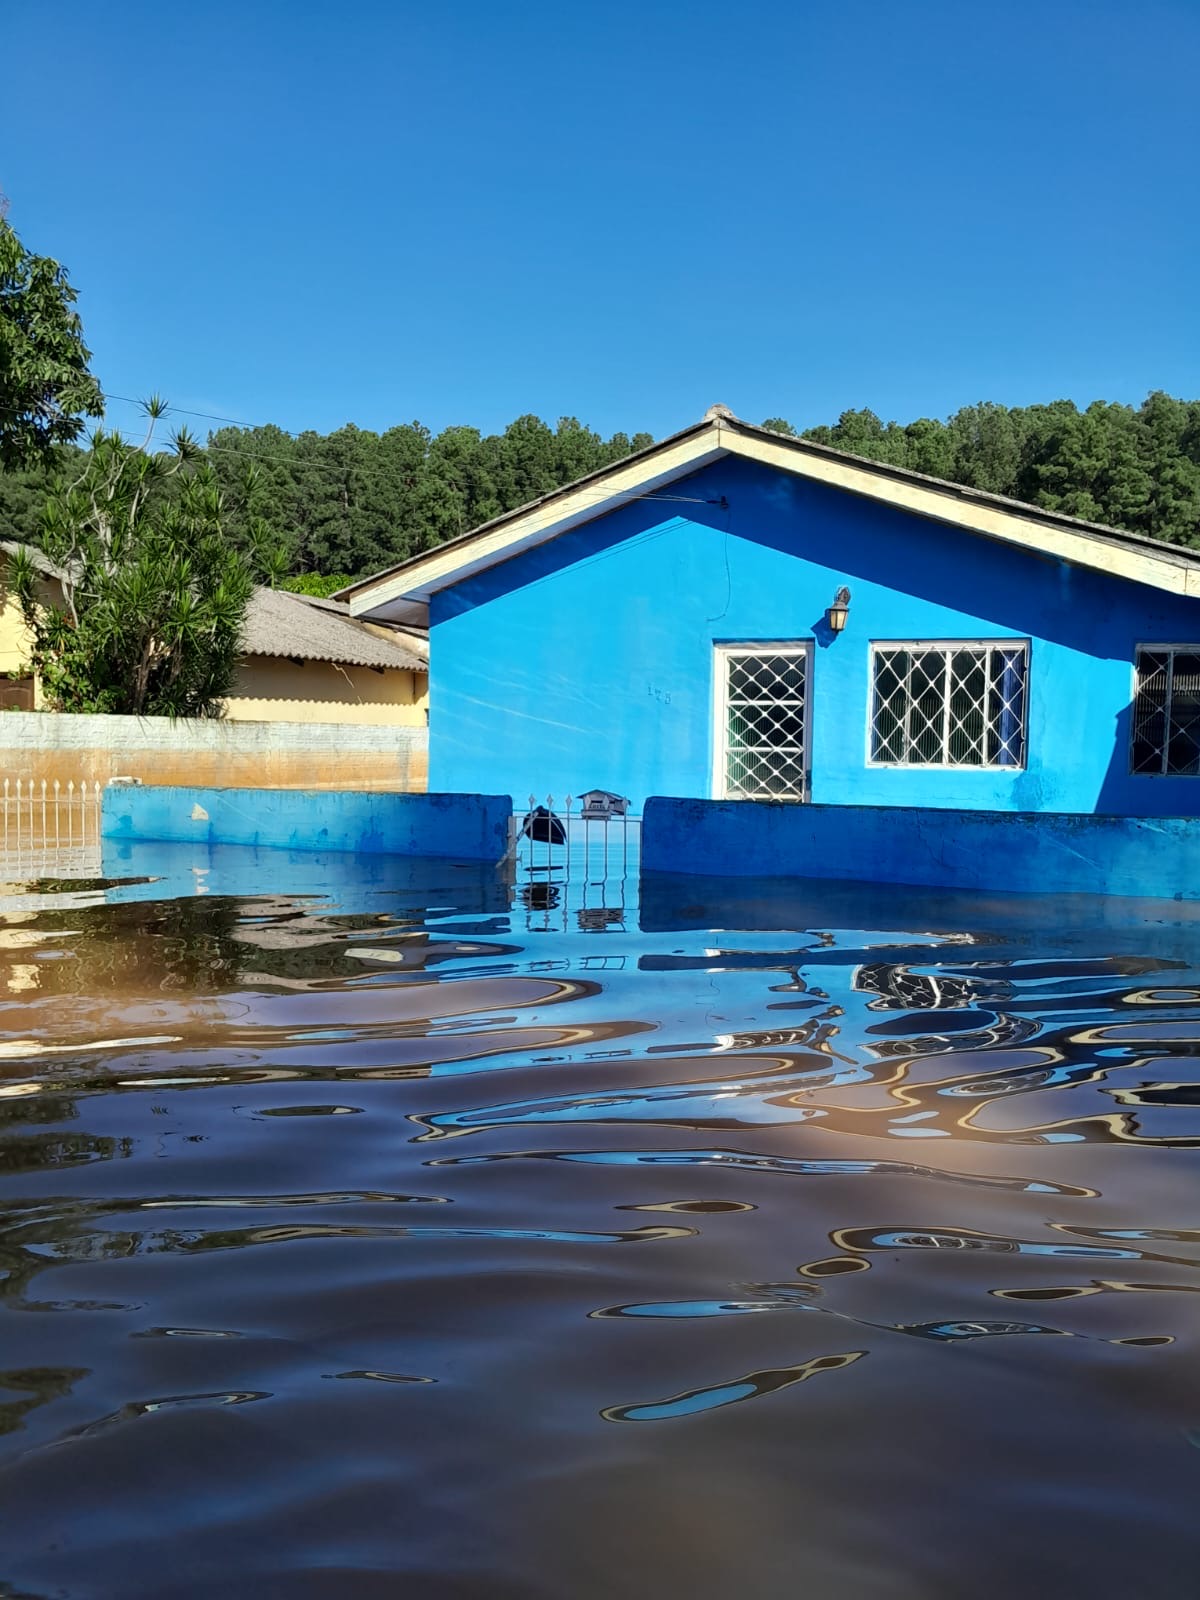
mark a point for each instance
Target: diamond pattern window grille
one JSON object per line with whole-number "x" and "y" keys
{"x": 765, "y": 724}
{"x": 949, "y": 705}
{"x": 1166, "y": 712}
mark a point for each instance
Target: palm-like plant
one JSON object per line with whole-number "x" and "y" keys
{"x": 153, "y": 595}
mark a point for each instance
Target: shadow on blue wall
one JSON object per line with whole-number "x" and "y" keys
{"x": 823, "y": 634}
{"x": 565, "y": 694}
{"x": 680, "y": 903}
{"x": 874, "y": 543}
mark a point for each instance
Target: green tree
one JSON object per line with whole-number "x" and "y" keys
{"x": 22, "y": 496}
{"x": 353, "y": 501}
{"x": 45, "y": 386}
{"x": 577, "y": 451}
{"x": 987, "y": 447}
{"x": 153, "y": 594}
{"x": 320, "y": 585}
{"x": 861, "y": 433}
{"x": 929, "y": 448}
{"x": 1170, "y": 438}
{"x": 272, "y": 454}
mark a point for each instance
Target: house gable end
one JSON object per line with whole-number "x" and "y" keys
{"x": 403, "y": 593}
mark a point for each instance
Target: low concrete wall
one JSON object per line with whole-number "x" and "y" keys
{"x": 351, "y": 884}
{"x": 231, "y": 755}
{"x": 461, "y": 826}
{"x": 1018, "y": 852}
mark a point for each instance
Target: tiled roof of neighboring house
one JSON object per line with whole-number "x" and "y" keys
{"x": 279, "y": 623}
{"x": 45, "y": 566}
{"x": 301, "y": 626}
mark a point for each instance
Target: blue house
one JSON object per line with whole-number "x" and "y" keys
{"x": 732, "y": 614}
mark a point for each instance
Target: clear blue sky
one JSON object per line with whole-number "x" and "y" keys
{"x": 309, "y": 213}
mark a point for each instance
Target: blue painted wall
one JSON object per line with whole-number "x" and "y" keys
{"x": 967, "y": 850}
{"x": 589, "y": 661}
{"x": 460, "y": 826}
{"x": 349, "y": 884}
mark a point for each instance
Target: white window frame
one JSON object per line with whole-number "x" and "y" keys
{"x": 1192, "y": 649}
{"x": 755, "y": 647}
{"x": 1024, "y": 645}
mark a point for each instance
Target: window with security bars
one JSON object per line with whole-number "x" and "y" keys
{"x": 1166, "y": 711}
{"x": 949, "y": 705}
{"x": 764, "y": 709}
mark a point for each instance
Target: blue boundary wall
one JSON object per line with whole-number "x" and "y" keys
{"x": 335, "y": 881}
{"x": 466, "y": 827}
{"x": 1167, "y": 930}
{"x": 1019, "y": 853}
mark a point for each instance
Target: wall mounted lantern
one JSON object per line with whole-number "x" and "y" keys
{"x": 839, "y": 610}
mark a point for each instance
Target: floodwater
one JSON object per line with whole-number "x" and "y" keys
{"x": 386, "y": 1230}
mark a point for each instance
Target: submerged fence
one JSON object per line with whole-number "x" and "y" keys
{"x": 571, "y": 860}
{"x": 49, "y": 829}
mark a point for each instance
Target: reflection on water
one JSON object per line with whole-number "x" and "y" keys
{"x": 349, "y": 1213}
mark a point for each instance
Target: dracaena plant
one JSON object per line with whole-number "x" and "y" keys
{"x": 144, "y": 611}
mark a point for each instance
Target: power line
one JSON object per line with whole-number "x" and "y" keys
{"x": 292, "y": 461}
{"x": 208, "y": 416}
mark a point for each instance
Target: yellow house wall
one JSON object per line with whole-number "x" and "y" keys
{"x": 16, "y": 642}
{"x": 14, "y": 635}
{"x": 274, "y": 689}
{"x": 267, "y": 689}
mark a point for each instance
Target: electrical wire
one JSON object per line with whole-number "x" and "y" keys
{"x": 291, "y": 461}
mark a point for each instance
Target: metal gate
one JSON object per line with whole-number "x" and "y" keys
{"x": 572, "y": 860}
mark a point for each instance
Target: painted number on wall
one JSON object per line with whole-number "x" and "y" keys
{"x": 663, "y": 696}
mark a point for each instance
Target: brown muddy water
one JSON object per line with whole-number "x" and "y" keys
{"x": 382, "y": 1231}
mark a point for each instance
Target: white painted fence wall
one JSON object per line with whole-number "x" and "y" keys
{"x": 49, "y": 829}
{"x": 217, "y": 754}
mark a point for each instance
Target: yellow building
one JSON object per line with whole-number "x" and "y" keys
{"x": 305, "y": 660}
{"x": 308, "y": 660}
{"x": 18, "y": 690}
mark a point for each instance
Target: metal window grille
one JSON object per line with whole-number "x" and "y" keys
{"x": 1166, "y": 711}
{"x": 949, "y": 705}
{"x": 764, "y": 711}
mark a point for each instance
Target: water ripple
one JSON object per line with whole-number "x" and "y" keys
{"x": 315, "y": 1191}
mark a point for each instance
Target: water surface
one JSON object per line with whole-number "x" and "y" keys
{"x": 390, "y": 1229}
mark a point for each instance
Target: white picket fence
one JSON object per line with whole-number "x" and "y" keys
{"x": 49, "y": 829}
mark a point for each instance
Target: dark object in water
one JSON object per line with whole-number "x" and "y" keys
{"x": 544, "y": 827}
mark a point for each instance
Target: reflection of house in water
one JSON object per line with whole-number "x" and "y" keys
{"x": 1002, "y": 1030}
{"x": 898, "y": 988}
{"x": 815, "y": 1034}
{"x": 595, "y": 919}
{"x": 540, "y": 896}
